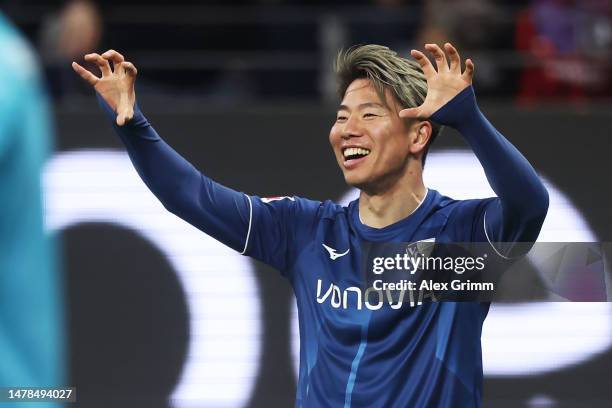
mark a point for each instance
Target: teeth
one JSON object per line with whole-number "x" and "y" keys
{"x": 352, "y": 151}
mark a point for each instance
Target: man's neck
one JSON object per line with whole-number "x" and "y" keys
{"x": 402, "y": 198}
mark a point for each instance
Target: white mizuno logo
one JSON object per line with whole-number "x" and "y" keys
{"x": 333, "y": 254}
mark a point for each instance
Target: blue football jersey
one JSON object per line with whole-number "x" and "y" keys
{"x": 417, "y": 355}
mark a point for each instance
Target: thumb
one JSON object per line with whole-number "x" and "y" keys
{"x": 124, "y": 116}
{"x": 124, "y": 110}
{"x": 410, "y": 113}
{"x": 120, "y": 119}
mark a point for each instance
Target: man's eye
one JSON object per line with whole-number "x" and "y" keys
{"x": 369, "y": 115}
{"x": 340, "y": 118}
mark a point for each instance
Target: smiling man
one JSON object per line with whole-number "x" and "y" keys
{"x": 351, "y": 353}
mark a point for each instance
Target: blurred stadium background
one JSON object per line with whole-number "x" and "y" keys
{"x": 157, "y": 314}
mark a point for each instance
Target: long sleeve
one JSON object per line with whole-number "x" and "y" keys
{"x": 220, "y": 212}
{"x": 262, "y": 228}
{"x": 518, "y": 213}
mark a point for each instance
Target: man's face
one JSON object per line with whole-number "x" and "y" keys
{"x": 371, "y": 142}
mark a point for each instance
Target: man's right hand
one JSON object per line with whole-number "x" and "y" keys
{"x": 116, "y": 86}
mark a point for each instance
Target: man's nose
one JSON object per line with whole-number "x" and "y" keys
{"x": 352, "y": 128}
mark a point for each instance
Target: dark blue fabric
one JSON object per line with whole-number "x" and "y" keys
{"x": 519, "y": 211}
{"x": 215, "y": 209}
{"x": 421, "y": 356}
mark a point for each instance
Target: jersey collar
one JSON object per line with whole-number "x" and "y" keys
{"x": 403, "y": 229}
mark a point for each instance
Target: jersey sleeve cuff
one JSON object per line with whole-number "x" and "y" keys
{"x": 458, "y": 110}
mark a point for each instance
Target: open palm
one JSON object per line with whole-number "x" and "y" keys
{"x": 443, "y": 83}
{"x": 115, "y": 86}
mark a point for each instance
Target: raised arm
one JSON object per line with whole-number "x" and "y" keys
{"x": 519, "y": 213}
{"x": 217, "y": 210}
{"x": 263, "y": 229}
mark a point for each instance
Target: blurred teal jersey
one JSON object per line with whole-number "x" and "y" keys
{"x": 31, "y": 309}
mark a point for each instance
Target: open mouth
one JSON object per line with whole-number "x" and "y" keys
{"x": 354, "y": 153}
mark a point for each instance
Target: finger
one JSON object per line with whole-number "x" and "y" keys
{"x": 439, "y": 56}
{"x": 85, "y": 74}
{"x": 114, "y": 56}
{"x": 454, "y": 58}
{"x": 101, "y": 62}
{"x": 129, "y": 68}
{"x": 468, "y": 74}
{"x": 424, "y": 62}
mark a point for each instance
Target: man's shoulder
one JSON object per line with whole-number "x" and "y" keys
{"x": 300, "y": 206}
{"x": 463, "y": 218}
{"x": 451, "y": 207}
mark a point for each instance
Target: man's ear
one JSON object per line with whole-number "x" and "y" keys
{"x": 420, "y": 133}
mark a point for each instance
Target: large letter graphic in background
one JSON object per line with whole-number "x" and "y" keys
{"x": 526, "y": 338}
{"x": 221, "y": 290}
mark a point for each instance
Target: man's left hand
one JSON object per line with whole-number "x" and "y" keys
{"x": 443, "y": 83}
